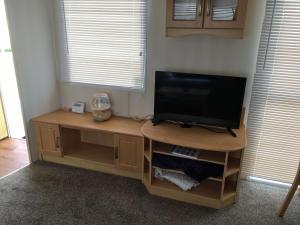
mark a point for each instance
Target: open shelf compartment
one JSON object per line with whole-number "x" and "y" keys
{"x": 146, "y": 171}
{"x": 86, "y": 145}
{"x": 230, "y": 186}
{"x": 147, "y": 146}
{"x": 205, "y": 156}
{"x": 207, "y": 188}
{"x": 234, "y": 163}
{"x": 215, "y": 148}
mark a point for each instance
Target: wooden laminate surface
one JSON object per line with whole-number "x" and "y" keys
{"x": 13, "y": 155}
{"x": 119, "y": 125}
{"x": 226, "y": 33}
{"x": 195, "y": 137}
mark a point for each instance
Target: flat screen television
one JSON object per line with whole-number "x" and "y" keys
{"x": 199, "y": 99}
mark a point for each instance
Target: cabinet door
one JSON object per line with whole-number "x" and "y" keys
{"x": 225, "y": 14}
{"x": 129, "y": 153}
{"x": 48, "y": 138}
{"x": 185, "y": 13}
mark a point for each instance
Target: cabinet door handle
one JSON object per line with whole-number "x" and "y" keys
{"x": 208, "y": 7}
{"x": 116, "y": 153}
{"x": 57, "y": 142}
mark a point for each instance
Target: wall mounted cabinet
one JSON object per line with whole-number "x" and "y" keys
{"x": 215, "y": 17}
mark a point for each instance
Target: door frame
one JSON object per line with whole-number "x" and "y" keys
{"x": 28, "y": 130}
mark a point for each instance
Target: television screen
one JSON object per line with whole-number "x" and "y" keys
{"x": 199, "y": 99}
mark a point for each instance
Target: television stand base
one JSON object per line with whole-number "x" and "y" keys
{"x": 231, "y": 132}
{"x": 218, "y": 148}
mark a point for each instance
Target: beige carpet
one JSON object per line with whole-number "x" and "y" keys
{"x": 45, "y": 193}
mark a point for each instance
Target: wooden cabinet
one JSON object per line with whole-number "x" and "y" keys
{"x": 216, "y": 17}
{"x": 129, "y": 153}
{"x": 48, "y": 138}
{"x": 114, "y": 146}
{"x": 125, "y": 147}
{"x": 219, "y": 148}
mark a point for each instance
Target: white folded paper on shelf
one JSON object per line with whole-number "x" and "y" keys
{"x": 183, "y": 181}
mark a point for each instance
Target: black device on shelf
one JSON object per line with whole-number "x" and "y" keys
{"x": 198, "y": 170}
{"x": 199, "y": 99}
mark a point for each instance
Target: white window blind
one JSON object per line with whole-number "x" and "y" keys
{"x": 105, "y": 42}
{"x": 274, "y": 119}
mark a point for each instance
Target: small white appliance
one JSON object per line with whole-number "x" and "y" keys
{"x": 78, "y": 107}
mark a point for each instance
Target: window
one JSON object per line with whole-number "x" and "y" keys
{"x": 274, "y": 119}
{"x": 105, "y": 42}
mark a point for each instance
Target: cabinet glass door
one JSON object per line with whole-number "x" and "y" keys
{"x": 185, "y": 10}
{"x": 225, "y": 13}
{"x": 224, "y": 10}
{"x": 185, "y": 13}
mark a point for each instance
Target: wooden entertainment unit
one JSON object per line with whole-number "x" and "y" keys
{"x": 114, "y": 146}
{"x": 125, "y": 147}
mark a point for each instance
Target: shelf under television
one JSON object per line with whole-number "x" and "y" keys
{"x": 230, "y": 190}
{"x": 178, "y": 171}
{"x": 217, "y": 148}
{"x": 205, "y": 156}
{"x": 233, "y": 167}
{"x": 207, "y": 189}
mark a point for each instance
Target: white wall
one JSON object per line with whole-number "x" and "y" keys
{"x": 31, "y": 36}
{"x": 202, "y": 54}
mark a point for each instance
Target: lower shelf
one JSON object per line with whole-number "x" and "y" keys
{"x": 207, "y": 194}
{"x": 229, "y": 190}
{"x": 207, "y": 188}
{"x": 91, "y": 165}
{"x": 219, "y": 179}
{"x": 92, "y": 152}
